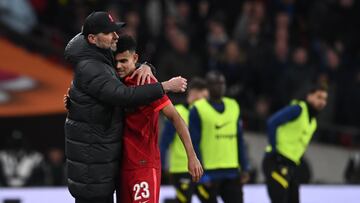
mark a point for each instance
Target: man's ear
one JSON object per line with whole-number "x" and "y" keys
{"x": 136, "y": 57}
{"x": 91, "y": 38}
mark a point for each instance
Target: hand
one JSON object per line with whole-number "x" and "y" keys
{"x": 144, "y": 75}
{"x": 244, "y": 177}
{"x": 67, "y": 100}
{"x": 195, "y": 168}
{"x": 176, "y": 84}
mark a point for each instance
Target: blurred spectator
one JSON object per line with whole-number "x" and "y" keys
{"x": 278, "y": 64}
{"x": 242, "y": 22}
{"x": 19, "y": 165}
{"x": 55, "y": 167}
{"x": 179, "y": 60}
{"x": 329, "y": 77}
{"x": 299, "y": 74}
{"x": 232, "y": 64}
{"x": 216, "y": 40}
{"x": 154, "y": 17}
{"x": 348, "y": 108}
{"x": 282, "y": 20}
{"x": 17, "y": 15}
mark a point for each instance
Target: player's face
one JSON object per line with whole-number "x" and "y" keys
{"x": 318, "y": 99}
{"x": 106, "y": 40}
{"x": 217, "y": 86}
{"x": 196, "y": 94}
{"x": 125, "y": 63}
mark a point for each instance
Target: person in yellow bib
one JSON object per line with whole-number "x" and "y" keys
{"x": 170, "y": 143}
{"x": 216, "y": 132}
{"x": 290, "y": 131}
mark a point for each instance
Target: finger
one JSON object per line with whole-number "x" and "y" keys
{"x": 200, "y": 172}
{"x": 153, "y": 78}
{"x": 194, "y": 178}
{"x": 198, "y": 176}
{"x": 143, "y": 79}
{"x": 183, "y": 89}
{"x": 133, "y": 74}
{"x": 184, "y": 83}
{"x": 138, "y": 79}
{"x": 148, "y": 79}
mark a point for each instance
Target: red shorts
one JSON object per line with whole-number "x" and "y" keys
{"x": 139, "y": 186}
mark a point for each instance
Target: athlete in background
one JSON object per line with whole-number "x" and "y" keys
{"x": 171, "y": 143}
{"x": 290, "y": 131}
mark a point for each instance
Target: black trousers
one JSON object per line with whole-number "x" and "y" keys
{"x": 109, "y": 199}
{"x": 230, "y": 190}
{"x": 281, "y": 181}
{"x": 184, "y": 186}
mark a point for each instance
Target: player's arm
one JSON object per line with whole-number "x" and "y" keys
{"x": 242, "y": 153}
{"x": 194, "y": 166}
{"x": 282, "y": 116}
{"x": 167, "y": 136}
{"x": 100, "y": 84}
{"x": 195, "y": 130}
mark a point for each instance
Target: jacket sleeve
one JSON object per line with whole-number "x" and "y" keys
{"x": 98, "y": 81}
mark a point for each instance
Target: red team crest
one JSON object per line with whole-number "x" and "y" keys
{"x": 111, "y": 18}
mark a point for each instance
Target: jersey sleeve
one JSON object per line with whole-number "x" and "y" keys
{"x": 161, "y": 103}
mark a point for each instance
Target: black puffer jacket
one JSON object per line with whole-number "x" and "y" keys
{"x": 94, "y": 124}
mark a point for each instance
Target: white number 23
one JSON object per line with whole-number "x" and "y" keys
{"x": 144, "y": 186}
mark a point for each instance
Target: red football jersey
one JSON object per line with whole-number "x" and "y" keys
{"x": 140, "y": 139}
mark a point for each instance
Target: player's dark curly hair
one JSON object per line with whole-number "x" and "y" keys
{"x": 125, "y": 43}
{"x": 309, "y": 89}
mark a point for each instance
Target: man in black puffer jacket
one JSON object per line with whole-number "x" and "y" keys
{"x": 97, "y": 98}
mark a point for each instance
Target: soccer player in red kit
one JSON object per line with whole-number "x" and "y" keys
{"x": 141, "y": 164}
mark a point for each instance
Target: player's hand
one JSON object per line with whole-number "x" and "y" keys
{"x": 67, "y": 100}
{"x": 144, "y": 75}
{"x": 195, "y": 168}
{"x": 244, "y": 177}
{"x": 176, "y": 84}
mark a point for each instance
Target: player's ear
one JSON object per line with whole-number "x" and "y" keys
{"x": 136, "y": 57}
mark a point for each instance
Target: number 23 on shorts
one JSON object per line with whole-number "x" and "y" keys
{"x": 141, "y": 191}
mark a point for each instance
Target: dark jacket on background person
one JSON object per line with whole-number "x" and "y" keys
{"x": 93, "y": 127}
